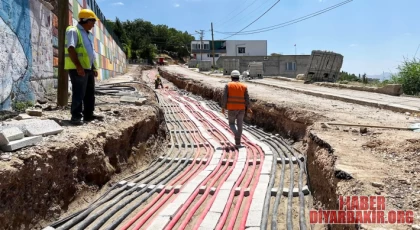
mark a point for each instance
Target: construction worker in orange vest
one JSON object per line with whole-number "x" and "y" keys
{"x": 236, "y": 100}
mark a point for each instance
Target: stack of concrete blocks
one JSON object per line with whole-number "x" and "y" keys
{"x": 324, "y": 66}
{"x": 230, "y": 65}
{"x": 19, "y": 134}
{"x": 256, "y": 70}
{"x": 204, "y": 65}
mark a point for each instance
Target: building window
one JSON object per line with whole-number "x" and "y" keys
{"x": 241, "y": 50}
{"x": 206, "y": 46}
{"x": 291, "y": 66}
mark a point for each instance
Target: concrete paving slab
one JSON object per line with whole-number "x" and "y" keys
{"x": 18, "y": 144}
{"x": 10, "y": 134}
{"x": 254, "y": 219}
{"x": 43, "y": 127}
{"x": 210, "y": 221}
{"x": 159, "y": 222}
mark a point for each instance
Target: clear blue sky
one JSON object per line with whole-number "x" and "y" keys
{"x": 373, "y": 35}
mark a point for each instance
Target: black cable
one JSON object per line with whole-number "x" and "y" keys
{"x": 237, "y": 13}
{"x": 255, "y": 19}
{"x": 247, "y": 16}
{"x": 284, "y": 24}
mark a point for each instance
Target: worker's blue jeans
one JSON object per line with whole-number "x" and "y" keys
{"x": 83, "y": 98}
{"x": 238, "y": 116}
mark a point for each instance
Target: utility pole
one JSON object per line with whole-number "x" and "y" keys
{"x": 212, "y": 40}
{"x": 63, "y": 77}
{"x": 201, "y": 43}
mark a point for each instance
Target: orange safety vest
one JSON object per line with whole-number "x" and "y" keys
{"x": 236, "y": 96}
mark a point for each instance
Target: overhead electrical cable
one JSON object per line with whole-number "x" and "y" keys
{"x": 255, "y": 19}
{"x": 284, "y": 24}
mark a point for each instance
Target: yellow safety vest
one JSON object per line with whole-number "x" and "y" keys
{"x": 81, "y": 53}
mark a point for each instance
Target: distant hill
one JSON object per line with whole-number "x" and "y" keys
{"x": 382, "y": 77}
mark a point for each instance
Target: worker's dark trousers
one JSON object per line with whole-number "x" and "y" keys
{"x": 83, "y": 98}
{"x": 238, "y": 116}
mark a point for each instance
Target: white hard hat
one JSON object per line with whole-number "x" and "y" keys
{"x": 235, "y": 73}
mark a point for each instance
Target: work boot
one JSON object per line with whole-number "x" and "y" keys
{"x": 76, "y": 122}
{"x": 92, "y": 117}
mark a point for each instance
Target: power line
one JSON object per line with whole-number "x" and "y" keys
{"x": 284, "y": 24}
{"x": 246, "y": 16}
{"x": 417, "y": 51}
{"x": 237, "y": 13}
{"x": 255, "y": 19}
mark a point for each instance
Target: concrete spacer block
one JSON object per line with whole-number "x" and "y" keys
{"x": 178, "y": 188}
{"x": 204, "y": 161}
{"x": 160, "y": 187}
{"x": 10, "y": 134}
{"x": 212, "y": 190}
{"x": 168, "y": 189}
{"x": 198, "y": 160}
{"x": 161, "y": 158}
{"x": 274, "y": 191}
{"x": 150, "y": 188}
{"x": 140, "y": 187}
{"x": 168, "y": 160}
{"x": 230, "y": 162}
{"x": 121, "y": 183}
{"x": 237, "y": 191}
{"x": 18, "y": 144}
{"x": 131, "y": 185}
{"x": 247, "y": 192}
{"x": 258, "y": 161}
{"x": 190, "y": 160}
{"x": 202, "y": 189}
{"x": 48, "y": 228}
{"x": 224, "y": 161}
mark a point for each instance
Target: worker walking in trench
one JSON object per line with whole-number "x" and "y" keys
{"x": 158, "y": 82}
{"x": 80, "y": 61}
{"x": 236, "y": 100}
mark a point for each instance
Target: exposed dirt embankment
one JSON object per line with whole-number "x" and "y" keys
{"x": 41, "y": 183}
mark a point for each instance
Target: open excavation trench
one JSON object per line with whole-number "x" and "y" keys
{"x": 202, "y": 181}
{"x": 295, "y": 125}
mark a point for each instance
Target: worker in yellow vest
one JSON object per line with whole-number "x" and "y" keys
{"x": 80, "y": 61}
{"x": 236, "y": 100}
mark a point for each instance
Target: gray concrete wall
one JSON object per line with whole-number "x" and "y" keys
{"x": 324, "y": 66}
{"x": 273, "y": 65}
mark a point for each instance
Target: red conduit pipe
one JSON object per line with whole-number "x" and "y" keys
{"x": 184, "y": 207}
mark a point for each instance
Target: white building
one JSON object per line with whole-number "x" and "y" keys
{"x": 202, "y": 50}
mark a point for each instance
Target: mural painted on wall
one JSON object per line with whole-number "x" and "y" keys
{"x": 111, "y": 59}
{"x": 15, "y": 52}
{"x": 29, "y": 54}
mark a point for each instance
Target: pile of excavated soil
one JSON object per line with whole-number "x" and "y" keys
{"x": 67, "y": 171}
{"x": 341, "y": 160}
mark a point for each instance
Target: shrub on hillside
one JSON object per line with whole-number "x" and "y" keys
{"x": 408, "y": 77}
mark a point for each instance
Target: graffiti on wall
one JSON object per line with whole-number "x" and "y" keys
{"x": 29, "y": 49}
{"x": 15, "y": 52}
{"x": 111, "y": 59}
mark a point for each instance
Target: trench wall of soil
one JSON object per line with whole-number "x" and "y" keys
{"x": 290, "y": 123}
{"x": 40, "y": 186}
